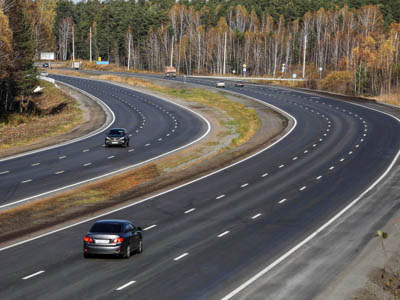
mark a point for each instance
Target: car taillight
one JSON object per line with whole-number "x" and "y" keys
{"x": 118, "y": 240}
{"x": 88, "y": 239}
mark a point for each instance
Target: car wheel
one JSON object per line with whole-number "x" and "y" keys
{"x": 128, "y": 252}
{"x": 86, "y": 255}
{"x": 140, "y": 247}
{"x": 127, "y": 144}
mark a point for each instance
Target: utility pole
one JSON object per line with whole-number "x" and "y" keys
{"x": 224, "y": 68}
{"x": 90, "y": 38}
{"x": 129, "y": 49}
{"x": 73, "y": 43}
{"x": 172, "y": 50}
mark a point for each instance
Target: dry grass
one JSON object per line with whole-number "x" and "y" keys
{"x": 22, "y": 129}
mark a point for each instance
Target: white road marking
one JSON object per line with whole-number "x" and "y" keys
{"x": 32, "y": 275}
{"x": 160, "y": 139}
{"x": 35, "y": 164}
{"x": 131, "y": 150}
{"x": 264, "y": 175}
{"x": 315, "y": 145}
{"x": 62, "y": 157}
{"x": 256, "y": 216}
{"x": 221, "y": 196}
{"x": 4, "y": 172}
{"x": 306, "y": 151}
{"x": 111, "y": 156}
{"x": 342, "y": 159}
{"x": 222, "y": 234}
{"x": 181, "y": 256}
{"x": 88, "y": 164}
{"x": 294, "y": 158}
{"x": 59, "y": 172}
{"x": 357, "y": 146}
{"x": 26, "y": 181}
{"x": 302, "y": 188}
{"x": 351, "y": 152}
{"x": 283, "y": 200}
{"x": 125, "y": 285}
{"x": 190, "y": 210}
{"x": 150, "y": 227}
{"x": 281, "y": 166}
{"x": 331, "y": 168}
{"x": 244, "y": 185}
{"x": 147, "y": 145}
{"x": 319, "y": 177}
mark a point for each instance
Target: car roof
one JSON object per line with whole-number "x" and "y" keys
{"x": 114, "y": 221}
{"x": 117, "y": 129}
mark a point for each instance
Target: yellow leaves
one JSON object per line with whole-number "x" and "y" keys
{"x": 5, "y": 44}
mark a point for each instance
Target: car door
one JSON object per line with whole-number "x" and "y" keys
{"x": 135, "y": 238}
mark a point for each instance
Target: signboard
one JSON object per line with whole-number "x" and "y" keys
{"x": 102, "y": 62}
{"x": 46, "y": 55}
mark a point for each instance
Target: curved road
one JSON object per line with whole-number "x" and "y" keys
{"x": 156, "y": 127}
{"x": 206, "y": 238}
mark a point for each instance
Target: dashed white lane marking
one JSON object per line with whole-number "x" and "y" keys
{"x": 331, "y": 168}
{"x": 302, "y": 188}
{"x": 59, "y": 172}
{"x": 88, "y": 164}
{"x": 294, "y": 158}
{"x": 26, "y": 181}
{"x": 315, "y": 145}
{"x": 32, "y": 275}
{"x": 357, "y": 146}
{"x": 4, "y": 172}
{"x": 281, "y": 166}
{"x": 244, "y": 185}
{"x": 283, "y": 200}
{"x": 181, "y": 256}
{"x": 264, "y": 175}
{"x": 147, "y": 145}
{"x": 150, "y": 227}
{"x": 220, "y": 196}
{"x": 125, "y": 285}
{"x": 167, "y": 134}
{"x": 131, "y": 150}
{"x": 160, "y": 139}
{"x": 256, "y": 216}
{"x": 35, "y": 164}
{"x": 190, "y": 210}
{"x": 111, "y": 156}
{"x": 342, "y": 159}
{"x": 62, "y": 157}
{"x": 222, "y": 234}
{"x": 86, "y": 150}
{"x": 351, "y": 152}
{"x": 305, "y": 151}
{"x": 319, "y": 177}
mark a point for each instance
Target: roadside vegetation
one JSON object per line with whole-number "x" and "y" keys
{"x": 50, "y": 113}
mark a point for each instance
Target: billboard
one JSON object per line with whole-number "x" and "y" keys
{"x": 46, "y": 55}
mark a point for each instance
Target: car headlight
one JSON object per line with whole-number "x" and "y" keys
{"x": 107, "y": 138}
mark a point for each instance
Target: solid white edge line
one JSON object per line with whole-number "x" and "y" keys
{"x": 167, "y": 191}
{"x": 181, "y": 256}
{"x": 323, "y": 227}
{"x": 32, "y": 275}
{"x": 131, "y": 166}
{"x": 103, "y": 127}
{"x": 125, "y": 285}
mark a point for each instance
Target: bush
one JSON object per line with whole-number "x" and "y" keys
{"x": 341, "y": 82}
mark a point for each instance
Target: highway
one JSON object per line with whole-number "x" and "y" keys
{"x": 204, "y": 239}
{"x": 156, "y": 127}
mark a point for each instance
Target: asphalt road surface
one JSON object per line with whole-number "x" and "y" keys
{"x": 155, "y": 126}
{"x": 203, "y": 240}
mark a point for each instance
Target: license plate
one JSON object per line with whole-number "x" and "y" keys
{"x": 101, "y": 241}
{"x": 114, "y": 142}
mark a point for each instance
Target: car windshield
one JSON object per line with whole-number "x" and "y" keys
{"x": 116, "y": 132}
{"x": 106, "y": 227}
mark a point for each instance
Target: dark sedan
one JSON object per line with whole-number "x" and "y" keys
{"x": 116, "y": 237}
{"x": 117, "y": 136}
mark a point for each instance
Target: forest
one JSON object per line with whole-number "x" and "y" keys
{"x": 354, "y": 40}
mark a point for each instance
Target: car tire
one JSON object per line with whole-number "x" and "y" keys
{"x": 127, "y": 252}
{"x": 86, "y": 255}
{"x": 140, "y": 247}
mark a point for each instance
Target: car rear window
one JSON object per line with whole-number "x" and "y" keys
{"x": 106, "y": 227}
{"x": 116, "y": 132}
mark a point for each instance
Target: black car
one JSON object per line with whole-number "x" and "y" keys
{"x": 116, "y": 237}
{"x": 117, "y": 136}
